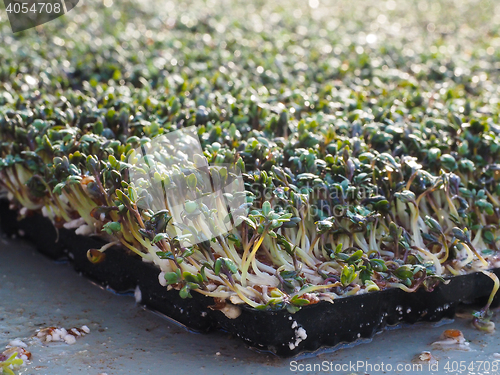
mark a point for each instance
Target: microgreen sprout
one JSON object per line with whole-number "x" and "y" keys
{"x": 8, "y": 365}
{"x": 482, "y": 318}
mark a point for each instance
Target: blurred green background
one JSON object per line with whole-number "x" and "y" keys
{"x": 286, "y": 51}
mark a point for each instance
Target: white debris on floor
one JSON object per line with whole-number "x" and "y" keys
{"x": 69, "y": 336}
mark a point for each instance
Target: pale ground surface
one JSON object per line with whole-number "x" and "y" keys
{"x": 126, "y": 339}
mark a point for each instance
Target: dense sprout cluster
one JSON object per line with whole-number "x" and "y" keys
{"x": 368, "y": 146}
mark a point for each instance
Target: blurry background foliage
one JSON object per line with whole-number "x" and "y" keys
{"x": 291, "y": 52}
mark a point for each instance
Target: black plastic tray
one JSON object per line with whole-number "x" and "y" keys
{"x": 280, "y": 332}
